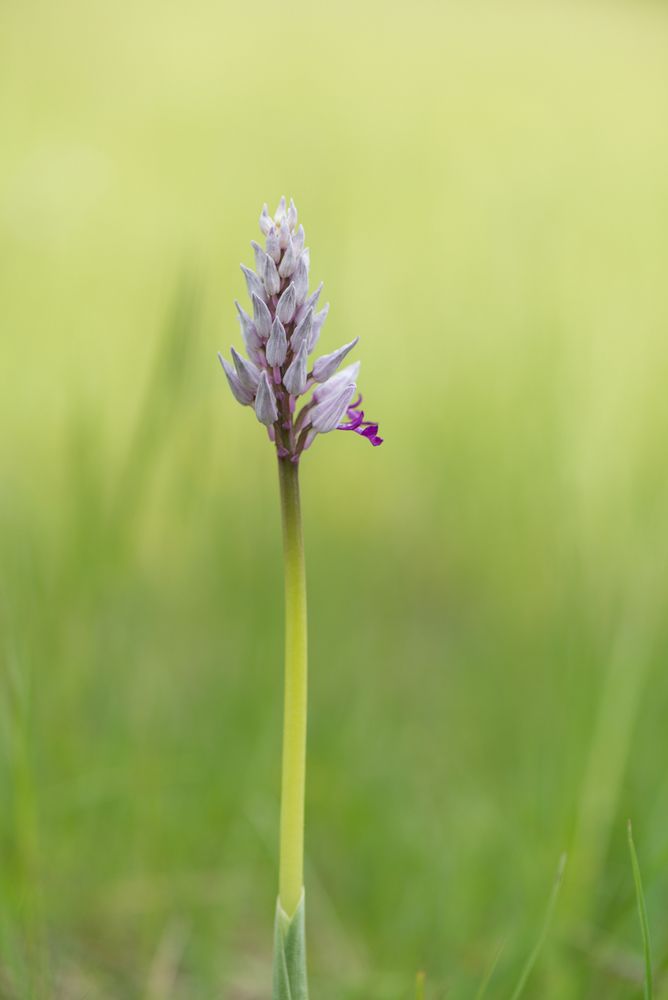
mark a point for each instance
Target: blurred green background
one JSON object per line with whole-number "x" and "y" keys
{"x": 485, "y": 191}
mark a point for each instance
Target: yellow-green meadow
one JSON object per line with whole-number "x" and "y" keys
{"x": 484, "y": 187}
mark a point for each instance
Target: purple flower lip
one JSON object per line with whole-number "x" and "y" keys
{"x": 357, "y": 423}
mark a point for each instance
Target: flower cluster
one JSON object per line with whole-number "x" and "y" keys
{"x": 279, "y": 338}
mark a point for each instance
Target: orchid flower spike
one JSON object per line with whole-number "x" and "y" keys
{"x": 296, "y": 398}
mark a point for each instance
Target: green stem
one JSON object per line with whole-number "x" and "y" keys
{"x": 291, "y": 871}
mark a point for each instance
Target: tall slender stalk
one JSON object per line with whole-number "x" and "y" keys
{"x": 276, "y": 379}
{"x": 291, "y": 870}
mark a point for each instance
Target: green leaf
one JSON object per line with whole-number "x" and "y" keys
{"x": 531, "y": 961}
{"x": 642, "y": 913}
{"x": 289, "y": 976}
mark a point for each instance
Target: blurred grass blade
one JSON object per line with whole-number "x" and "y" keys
{"x": 642, "y": 913}
{"x": 22, "y": 927}
{"x": 617, "y": 712}
{"x": 419, "y": 986}
{"x": 533, "y": 957}
{"x": 162, "y": 397}
{"x": 484, "y": 986}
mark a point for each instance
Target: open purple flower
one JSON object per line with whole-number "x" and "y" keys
{"x": 296, "y": 399}
{"x": 357, "y": 423}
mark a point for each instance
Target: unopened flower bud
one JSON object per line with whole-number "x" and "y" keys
{"x": 266, "y": 269}
{"x": 318, "y": 320}
{"x": 273, "y": 248}
{"x": 281, "y": 211}
{"x": 302, "y": 333}
{"x": 287, "y": 304}
{"x": 249, "y": 374}
{"x": 277, "y": 345}
{"x": 310, "y": 302}
{"x": 266, "y": 221}
{"x": 259, "y": 255}
{"x": 289, "y": 262}
{"x": 331, "y": 387}
{"x": 294, "y": 379}
{"x": 261, "y": 317}
{"x": 298, "y": 238}
{"x": 265, "y": 402}
{"x": 272, "y": 282}
{"x": 248, "y": 331}
{"x": 253, "y": 283}
{"x": 328, "y": 413}
{"x": 325, "y": 366}
{"x": 300, "y": 277}
{"x": 284, "y": 234}
{"x": 241, "y": 394}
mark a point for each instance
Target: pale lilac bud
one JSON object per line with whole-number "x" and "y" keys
{"x": 300, "y": 278}
{"x": 325, "y": 366}
{"x": 248, "y": 331}
{"x": 294, "y": 379}
{"x": 289, "y": 262}
{"x": 292, "y": 214}
{"x": 311, "y": 301}
{"x": 277, "y": 345}
{"x": 298, "y": 238}
{"x": 328, "y": 413}
{"x": 287, "y": 304}
{"x": 280, "y": 212}
{"x": 249, "y": 374}
{"x": 266, "y": 221}
{"x": 302, "y": 332}
{"x": 240, "y": 393}
{"x": 259, "y": 256}
{"x": 261, "y": 317}
{"x": 318, "y": 320}
{"x": 272, "y": 282}
{"x": 332, "y": 386}
{"x": 273, "y": 248}
{"x": 266, "y": 269}
{"x": 284, "y": 234}
{"x": 253, "y": 283}
{"x": 265, "y": 402}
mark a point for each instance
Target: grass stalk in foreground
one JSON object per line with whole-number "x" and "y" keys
{"x": 642, "y": 913}
{"x": 489, "y": 975}
{"x": 547, "y": 923}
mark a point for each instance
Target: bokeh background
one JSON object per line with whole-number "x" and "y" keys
{"x": 485, "y": 191}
